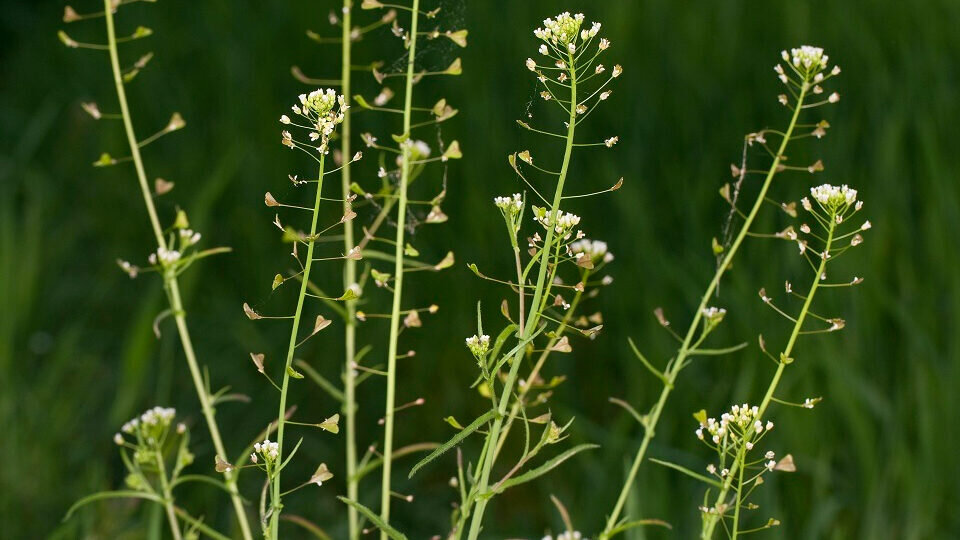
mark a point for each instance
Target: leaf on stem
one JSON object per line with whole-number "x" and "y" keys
{"x": 455, "y": 440}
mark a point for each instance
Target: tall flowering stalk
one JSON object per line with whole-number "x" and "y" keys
{"x": 412, "y": 156}
{"x": 176, "y": 246}
{"x": 736, "y": 434}
{"x": 803, "y": 85}
{"x": 317, "y": 115}
{"x": 569, "y": 76}
{"x": 349, "y": 34}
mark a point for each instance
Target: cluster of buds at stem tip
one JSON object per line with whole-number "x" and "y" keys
{"x": 568, "y": 47}
{"x": 561, "y": 222}
{"x": 479, "y": 346}
{"x": 807, "y": 68}
{"x": 741, "y": 424}
{"x": 269, "y": 451}
{"x": 322, "y": 110}
{"x": 149, "y": 426}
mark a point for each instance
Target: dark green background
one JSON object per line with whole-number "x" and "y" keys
{"x": 877, "y": 459}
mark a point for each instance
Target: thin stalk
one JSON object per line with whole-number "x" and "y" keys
{"x": 685, "y": 347}
{"x": 276, "y": 505}
{"x": 168, "y": 498}
{"x": 349, "y": 278}
{"x": 170, "y": 283}
{"x": 736, "y": 512}
{"x": 532, "y": 317}
{"x": 710, "y": 522}
{"x": 522, "y": 392}
{"x": 385, "y": 497}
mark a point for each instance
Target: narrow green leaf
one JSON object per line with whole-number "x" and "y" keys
{"x": 375, "y": 463}
{"x": 634, "y": 524}
{"x": 374, "y": 518}
{"x": 112, "y": 495}
{"x": 647, "y": 364}
{"x": 546, "y": 467}
{"x": 199, "y": 478}
{"x": 306, "y": 524}
{"x": 455, "y": 440}
{"x": 626, "y": 406}
{"x": 688, "y": 472}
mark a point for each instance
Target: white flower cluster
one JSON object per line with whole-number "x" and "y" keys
{"x": 478, "y": 345}
{"x": 165, "y": 256}
{"x": 713, "y": 315}
{"x": 737, "y": 422}
{"x": 324, "y": 110}
{"x": 269, "y": 450}
{"x": 148, "y": 425}
{"x": 596, "y": 250}
{"x": 834, "y": 196}
{"x": 509, "y": 204}
{"x": 568, "y": 535}
{"x": 188, "y": 237}
{"x": 806, "y": 57}
{"x": 809, "y": 64}
{"x": 562, "y": 29}
{"x": 561, "y": 221}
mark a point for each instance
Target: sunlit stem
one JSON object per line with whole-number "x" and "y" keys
{"x": 395, "y": 317}
{"x": 532, "y": 317}
{"x": 171, "y": 286}
{"x": 276, "y": 505}
{"x": 685, "y": 348}
{"x": 349, "y": 278}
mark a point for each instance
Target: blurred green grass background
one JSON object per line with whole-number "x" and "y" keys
{"x": 877, "y": 459}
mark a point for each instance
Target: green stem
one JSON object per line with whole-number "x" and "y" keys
{"x": 741, "y": 456}
{"x": 168, "y": 498}
{"x": 710, "y": 522}
{"x": 170, "y": 281}
{"x": 276, "y": 505}
{"x": 522, "y": 392}
{"x": 385, "y": 495}
{"x": 685, "y": 347}
{"x": 532, "y": 317}
{"x": 349, "y": 278}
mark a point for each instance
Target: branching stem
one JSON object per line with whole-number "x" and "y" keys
{"x": 171, "y": 286}
{"x": 685, "y": 348}
{"x": 710, "y": 522}
{"x": 532, "y": 318}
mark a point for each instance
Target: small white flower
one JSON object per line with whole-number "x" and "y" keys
{"x": 478, "y": 345}
{"x": 617, "y": 70}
